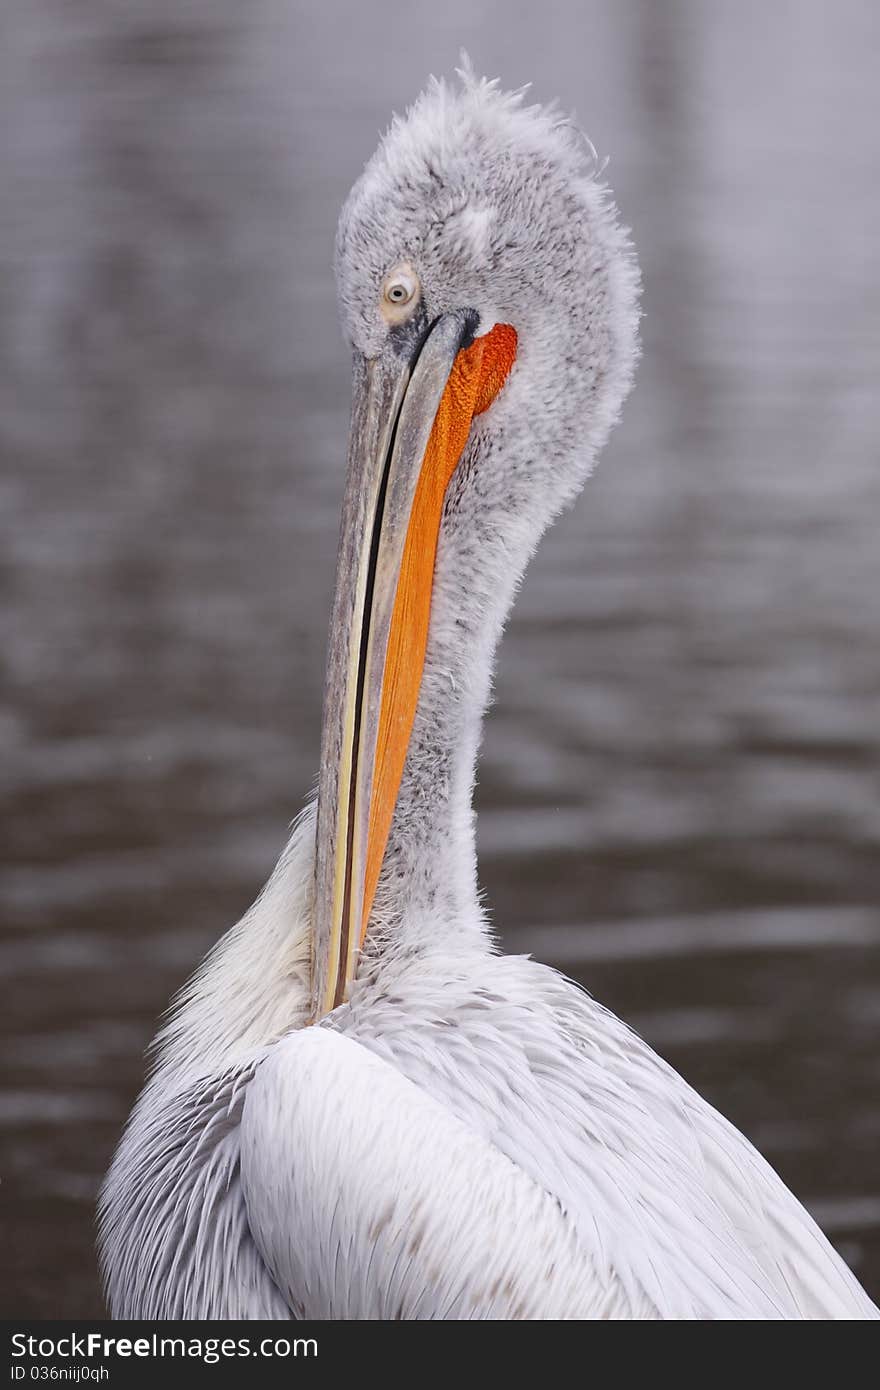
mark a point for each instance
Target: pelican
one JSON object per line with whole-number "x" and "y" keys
{"x": 359, "y": 1108}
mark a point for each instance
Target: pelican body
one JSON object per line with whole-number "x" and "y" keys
{"x": 359, "y": 1108}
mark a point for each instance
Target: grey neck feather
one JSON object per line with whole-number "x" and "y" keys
{"x": 429, "y": 875}
{"x": 496, "y": 510}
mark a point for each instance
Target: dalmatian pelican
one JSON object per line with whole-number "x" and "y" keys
{"x": 359, "y": 1108}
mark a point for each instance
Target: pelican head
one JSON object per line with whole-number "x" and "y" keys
{"x": 489, "y": 296}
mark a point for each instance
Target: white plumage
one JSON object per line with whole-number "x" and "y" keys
{"x": 469, "y": 1135}
{"x": 472, "y": 1136}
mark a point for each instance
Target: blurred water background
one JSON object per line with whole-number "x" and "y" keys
{"x": 678, "y": 795}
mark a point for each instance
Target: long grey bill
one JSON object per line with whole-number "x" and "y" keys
{"x": 394, "y": 404}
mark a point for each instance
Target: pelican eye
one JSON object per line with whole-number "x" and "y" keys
{"x": 400, "y": 291}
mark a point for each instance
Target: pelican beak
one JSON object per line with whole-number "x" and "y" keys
{"x": 411, "y": 413}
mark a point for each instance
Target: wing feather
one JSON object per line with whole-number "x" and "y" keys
{"x": 670, "y": 1201}
{"x": 174, "y": 1236}
{"x": 368, "y": 1199}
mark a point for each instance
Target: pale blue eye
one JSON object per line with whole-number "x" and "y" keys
{"x": 401, "y": 288}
